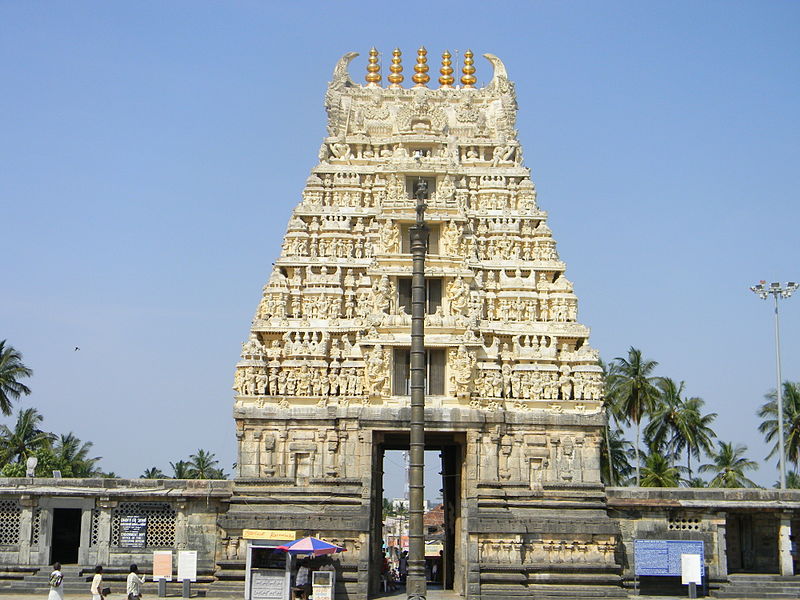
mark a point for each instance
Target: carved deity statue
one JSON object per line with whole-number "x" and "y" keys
{"x": 462, "y": 367}
{"x": 458, "y": 296}
{"x": 382, "y": 295}
{"x": 376, "y": 372}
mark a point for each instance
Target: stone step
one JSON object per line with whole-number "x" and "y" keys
{"x": 759, "y": 586}
{"x": 556, "y": 591}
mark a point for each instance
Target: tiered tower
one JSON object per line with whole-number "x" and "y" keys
{"x": 512, "y": 385}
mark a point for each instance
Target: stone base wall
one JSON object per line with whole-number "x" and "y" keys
{"x": 508, "y": 538}
{"x": 180, "y": 515}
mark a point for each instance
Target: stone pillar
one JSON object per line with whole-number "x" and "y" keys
{"x": 86, "y": 536}
{"x": 722, "y": 546}
{"x": 181, "y": 525}
{"x": 785, "y": 545}
{"x": 28, "y": 505}
{"x": 104, "y": 530}
{"x": 473, "y": 569}
{"x": 239, "y": 440}
{"x": 257, "y": 466}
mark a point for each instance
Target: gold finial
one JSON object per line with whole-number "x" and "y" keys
{"x": 421, "y": 76}
{"x": 396, "y": 78}
{"x": 373, "y": 69}
{"x": 468, "y": 79}
{"x": 447, "y": 79}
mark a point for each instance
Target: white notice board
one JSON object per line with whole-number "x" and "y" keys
{"x": 187, "y": 565}
{"x": 691, "y": 569}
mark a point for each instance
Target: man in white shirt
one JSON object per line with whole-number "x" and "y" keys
{"x": 135, "y": 582}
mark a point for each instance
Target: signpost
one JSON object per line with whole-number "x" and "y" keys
{"x": 187, "y": 570}
{"x": 162, "y": 570}
{"x": 691, "y": 572}
{"x": 670, "y": 558}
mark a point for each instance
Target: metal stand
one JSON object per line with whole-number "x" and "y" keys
{"x": 162, "y": 587}
{"x": 187, "y": 588}
{"x": 692, "y": 590}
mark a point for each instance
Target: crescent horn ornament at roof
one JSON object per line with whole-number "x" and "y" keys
{"x": 499, "y": 68}
{"x": 341, "y": 77}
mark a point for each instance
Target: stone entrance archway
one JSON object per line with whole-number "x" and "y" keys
{"x": 450, "y": 447}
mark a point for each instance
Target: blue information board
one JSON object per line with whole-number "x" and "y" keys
{"x": 663, "y": 557}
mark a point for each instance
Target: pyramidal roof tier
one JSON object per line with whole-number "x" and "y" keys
{"x": 333, "y": 325}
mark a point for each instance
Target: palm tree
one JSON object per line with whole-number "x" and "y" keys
{"x": 679, "y": 424}
{"x": 616, "y": 467}
{"x": 26, "y": 437}
{"x": 180, "y": 470}
{"x": 203, "y": 465}
{"x": 611, "y": 411}
{"x": 792, "y": 481}
{"x": 791, "y": 421}
{"x": 658, "y": 472}
{"x": 386, "y": 508}
{"x": 696, "y": 432}
{"x": 696, "y": 482}
{"x": 152, "y": 473}
{"x": 666, "y": 419}
{"x": 73, "y": 456}
{"x": 634, "y": 389}
{"x": 728, "y": 465}
{"x": 11, "y": 371}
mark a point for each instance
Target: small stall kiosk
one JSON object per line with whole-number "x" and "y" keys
{"x": 268, "y": 571}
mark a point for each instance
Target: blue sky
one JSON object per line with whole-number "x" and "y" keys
{"x": 151, "y": 154}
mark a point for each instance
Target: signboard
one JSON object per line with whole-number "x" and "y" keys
{"x": 187, "y": 565}
{"x": 322, "y": 585}
{"x": 132, "y": 531}
{"x": 691, "y": 569}
{"x": 162, "y": 565}
{"x": 663, "y": 557}
{"x": 323, "y": 593}
{"x": 270, "y": 534}
{"x": 267, "y": 585}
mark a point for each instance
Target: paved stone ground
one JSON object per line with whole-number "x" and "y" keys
{"x": 433, "y": 594}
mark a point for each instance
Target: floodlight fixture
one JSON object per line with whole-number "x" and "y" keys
{"x": 777, "y": 291}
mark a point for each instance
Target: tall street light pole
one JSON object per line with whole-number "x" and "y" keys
{"x": 776, "y": 290}
{"x": 415, "y": 581}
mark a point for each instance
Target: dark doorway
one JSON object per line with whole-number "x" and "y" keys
{"x": 752, "y": 542}
{"x": 66, "y": 535}
{"x": 444, "y": 543}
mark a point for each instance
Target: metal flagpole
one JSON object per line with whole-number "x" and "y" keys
{"x": 415, "y": 582}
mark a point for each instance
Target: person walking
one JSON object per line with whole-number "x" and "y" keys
{"x": 402, "y": 566}
{"x": 97, "y": 593}
{"x": 135, "y": 582}
{"x": 56, "y": 583}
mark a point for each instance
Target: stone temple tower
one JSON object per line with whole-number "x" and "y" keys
{"x": 514, "y": 391}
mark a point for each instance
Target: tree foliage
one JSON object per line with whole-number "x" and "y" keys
{"x": 153, "y": 473}
{"x": 728, "y": 466}
{"x": 634, "y": 390}
{"x": 65, "y": 453}
{"x": 19, "y": 443}
{"x": 616, "y": 467}
{"x": 659, "y": 472}
{"x": 12, "y": 371}
{"x": 791, "y": 422}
